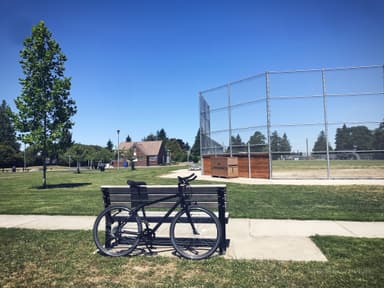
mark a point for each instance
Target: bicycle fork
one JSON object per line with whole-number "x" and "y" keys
{"x": 195, "y": 232}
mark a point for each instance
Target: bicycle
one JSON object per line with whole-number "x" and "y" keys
{"x": 195, "y": 231}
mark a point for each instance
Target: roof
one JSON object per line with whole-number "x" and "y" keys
{"x": 148, "y": 148}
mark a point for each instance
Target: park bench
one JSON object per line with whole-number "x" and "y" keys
{"x": 212, "y": 197}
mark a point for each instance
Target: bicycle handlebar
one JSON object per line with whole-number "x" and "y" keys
{"x": 186, "y": 180}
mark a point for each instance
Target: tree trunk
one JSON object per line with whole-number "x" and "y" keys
{"x": 44, "y": 174}
{"x": 45, "y": 153}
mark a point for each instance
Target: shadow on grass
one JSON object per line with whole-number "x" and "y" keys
{"x": 63, "y": 185}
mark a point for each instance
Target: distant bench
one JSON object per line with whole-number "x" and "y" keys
{"x": 212, "y": 197}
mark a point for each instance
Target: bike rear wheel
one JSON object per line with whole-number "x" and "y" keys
{"x": 195, "y": 233}
{"x": 117, "y": 231}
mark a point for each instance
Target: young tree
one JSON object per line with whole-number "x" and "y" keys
{"x": 45, "y": 107}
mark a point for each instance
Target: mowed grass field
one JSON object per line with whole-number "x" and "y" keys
{"x": 33, "y": 258}
{"x": 69, "y": 193}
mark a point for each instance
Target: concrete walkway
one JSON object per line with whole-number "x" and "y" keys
{"x": 249, "y": 238}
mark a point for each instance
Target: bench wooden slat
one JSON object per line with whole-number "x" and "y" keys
{"x": 208, "y": 205}
{"x": 155, "y": 189}
{"x": 153, "y": 197}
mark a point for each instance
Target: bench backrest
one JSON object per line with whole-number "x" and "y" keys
{"x": 208, "y": 196}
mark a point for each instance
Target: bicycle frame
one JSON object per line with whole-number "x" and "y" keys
{"x": 181, "y": 202}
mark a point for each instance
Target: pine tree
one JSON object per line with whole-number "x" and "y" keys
{"x": 320, "y": 144}
{"x": 109, "y": 145}
{"x": 343, "y": 138}
{"x": 257, "y": 142}
{"x": 285, "y": 146}
{"x": 195, "y": 150}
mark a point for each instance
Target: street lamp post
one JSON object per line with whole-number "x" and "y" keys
{"x": 118, "y": 151}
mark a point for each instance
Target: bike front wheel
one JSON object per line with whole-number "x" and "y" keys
{"x": 195, "y": 233}
{"x": 117, "y": 231}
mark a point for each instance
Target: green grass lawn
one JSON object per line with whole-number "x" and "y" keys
{"x": 31, "y": 258}
{"x": 69, "y": 193}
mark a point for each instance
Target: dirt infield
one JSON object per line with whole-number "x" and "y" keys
{"x": 354, "y": 173}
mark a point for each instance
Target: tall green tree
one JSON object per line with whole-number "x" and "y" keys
{"x": 378, "y": 134}
{"x": 150, "y": 137}
{"x": 362, "y": 138}
{"x": 285, "y": 146}
{"x": 195, "y": 150}
{"x": 161, "y": 135}
{"x": 236, "y": 140}
{"x": 258, "y": 142}
{"x": 275, "y": 141}
{"x": 237, "y": 144}
{"x": 7, "y": 129}
{"x": 9, "y": 147}
{"x": 320, "y": 144}
{"x": 109, "y": 145}
{"x": 175, "y": 147}
{"x": 279, "y": 144}
{"x": 355, "y": 138}
{"x": 378, "y": 142}
{"x": 45, "y": 106}
{"x": 343, "y": 138}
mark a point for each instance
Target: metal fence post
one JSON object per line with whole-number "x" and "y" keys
{"x": 201, "y": 132}
{"x": 268, "y": 107}
{"x": 249, "y": 161}
{"x": 325, "y": 121}
{"x": 229, "y": 118}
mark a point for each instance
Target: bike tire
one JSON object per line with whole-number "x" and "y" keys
{"x": 121, "y": 236}
{"x": 184, "y": 239}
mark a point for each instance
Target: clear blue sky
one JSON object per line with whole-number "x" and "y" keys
{"x": 138, "y": 66}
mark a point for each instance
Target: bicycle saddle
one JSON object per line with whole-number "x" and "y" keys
{"x": 135, "y": 184}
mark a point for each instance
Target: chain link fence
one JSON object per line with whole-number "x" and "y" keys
{"x": 293, "y": 115}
